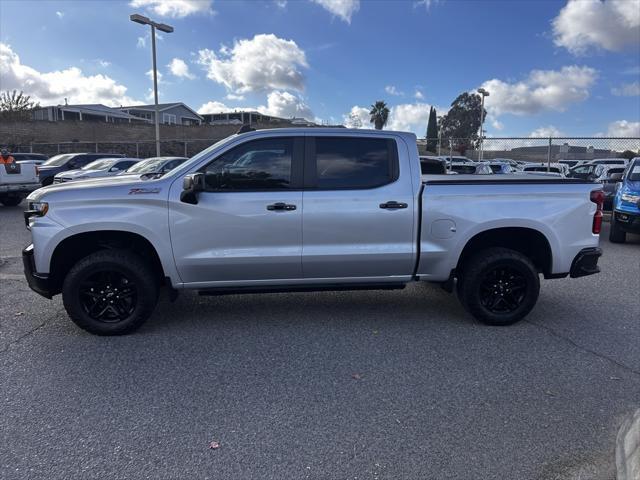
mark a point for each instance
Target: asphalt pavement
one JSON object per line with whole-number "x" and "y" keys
{"x": 349, "y": 385}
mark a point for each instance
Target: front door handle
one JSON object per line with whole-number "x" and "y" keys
{"x": 393, "y": 205}
{"x": 281, "y": 206}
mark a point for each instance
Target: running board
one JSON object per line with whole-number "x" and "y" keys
{"x": 302, "y": 288}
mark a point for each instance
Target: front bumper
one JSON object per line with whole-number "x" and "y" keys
{"x": 19, "y": 187}
{"x": 586, "y": 262}
{"x": 39, "y": 283}
{"x": 629, "y": 222}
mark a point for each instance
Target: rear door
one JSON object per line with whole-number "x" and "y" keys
{"x": 358, "y": 217}
{"x": 247, "y": 226}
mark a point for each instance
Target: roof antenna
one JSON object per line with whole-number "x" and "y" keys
{"x": 245, "y": 129}
{"x": 65, "y": 101}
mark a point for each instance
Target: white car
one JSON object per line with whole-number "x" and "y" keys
{"x": 104, "y": 167}
{"x": 559, "y": 169}
{"x": 154, "y": 166}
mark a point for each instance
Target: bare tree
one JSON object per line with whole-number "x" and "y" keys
{"x": 16, "y": 105}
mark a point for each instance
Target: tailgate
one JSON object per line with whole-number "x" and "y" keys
{"x": 13, "y": 173}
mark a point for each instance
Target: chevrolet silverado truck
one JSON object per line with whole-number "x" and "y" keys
{"x": 17, "y": 180}
{"x": 306, "y": 209}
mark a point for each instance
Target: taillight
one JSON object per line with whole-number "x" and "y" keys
{"x": 597, "y": 197}
{"x": 37, "y": 170}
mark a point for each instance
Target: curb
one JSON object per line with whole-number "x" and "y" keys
{"x": 628, "y": 448}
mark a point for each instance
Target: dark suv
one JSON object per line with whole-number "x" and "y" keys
{"x": 68, "y": 161}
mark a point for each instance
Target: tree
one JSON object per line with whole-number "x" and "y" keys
{"x": 432, "y": 131}
{"x": 16, "y": 105}
{"x": 628, "y": 154}
{"x": 462, "y": 122}
{"x": 379, "y": 114}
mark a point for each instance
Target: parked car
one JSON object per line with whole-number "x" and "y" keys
{"x": 104, "y": 167}
{"x": 555, "y": 168}
{"x": 433, "y": 165}
{"x": 500, "y": 167}
{"x": 609, "y": 181}
{"x": 626, "y": 204}
{"x": 609, "y": 161}
{"x": 68, "y": 161}
{"x": 232, "y": 220}
{"x": 154, "y": 166}
{"x": 471, "y": 168}
{"x": 17, "y": 180}
{"x": 35, "y": 158}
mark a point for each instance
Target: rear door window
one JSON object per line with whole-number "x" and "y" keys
{"x": 351, "y": 163}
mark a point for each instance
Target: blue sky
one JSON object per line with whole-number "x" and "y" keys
{"x": 550, "y": 66}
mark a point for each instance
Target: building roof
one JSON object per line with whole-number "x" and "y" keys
{"x": 161, "y": 107}
{"x": 93, "y": 109}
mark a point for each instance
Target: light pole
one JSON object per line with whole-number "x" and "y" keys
{"x": 483, "y": 93}
{"x": 163, "y": 28}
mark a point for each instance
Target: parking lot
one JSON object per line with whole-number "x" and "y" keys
{"x": 349, "y": 385}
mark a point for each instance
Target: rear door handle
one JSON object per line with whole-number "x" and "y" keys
{"x": 281, "y": 206}
{"x": 393, "y": 205}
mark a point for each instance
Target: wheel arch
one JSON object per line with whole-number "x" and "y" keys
{"x": 78, "y": 245}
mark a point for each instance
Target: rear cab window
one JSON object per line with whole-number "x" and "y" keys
{"x": 343, "y": 163}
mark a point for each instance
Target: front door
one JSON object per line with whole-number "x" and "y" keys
{"x": 247, "y": 226}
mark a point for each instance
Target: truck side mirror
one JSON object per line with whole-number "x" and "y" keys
{"x": 191, "y": 185}
{"x": 615, "y": 177}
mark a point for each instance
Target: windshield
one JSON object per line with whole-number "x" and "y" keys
{"x": 146, "y": 166}
{"x": 58, "y": 160}
{"x": 634, "y": 173}
{"x": 101, "y": 164}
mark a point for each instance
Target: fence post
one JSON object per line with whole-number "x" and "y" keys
{"x": 31, "y": 148}
{"x": 137, "y": 150}
{"x": 96, "y": 147}
{"x": 549, "y": 155}
{"x": 58, "y": 148}
{"x": 185, "y": 148}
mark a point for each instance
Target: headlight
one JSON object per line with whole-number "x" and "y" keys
{"x": 627, "y": 197}
{"x": 39, "y": 209}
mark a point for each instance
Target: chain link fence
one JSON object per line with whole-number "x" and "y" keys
{"x": 136, "y": 149}
{"x": 548, "y": 149}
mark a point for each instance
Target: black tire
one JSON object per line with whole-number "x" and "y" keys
{"x": 10, "y": 201}
{"x": 110, "y": 292}
{"x": 616, "y": 234}
{"x": 512, "y": 275}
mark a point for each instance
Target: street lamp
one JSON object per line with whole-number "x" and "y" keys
{"x": 163, "y": 28}
{"x": 484, "y": 93}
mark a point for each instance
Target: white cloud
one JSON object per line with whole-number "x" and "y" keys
{"x": 103, "y": 63}
{"x": 286, "y": 105}
{"x": 281, "y": 3}
{"x": 340, "y": 8}
{"x": 392, "y": 90}
{"x": 142, "y": 42}
{"x": 214, "y": 107}
{"x": 610, "y": 25}
{"x": 425, "y": 3}
{"x": 59, "y": 14}
{"x": 53, "y": 87}
{"x": 411, "y": 117}
{"x": 358, "y": 117}
{"x": 262, "y": 63}
{"x": 174, "y": 8}
{"x": 495, "y": 123}
{"x": 545, "y": 132}
{"x": 541, "y": 90}
{"x": 624, "y": 128}
{"x": 179, "y": 68}
{"x": 232, "y": 96}
{"x": 418, "y": 95}
{"x": 627, "y": 90}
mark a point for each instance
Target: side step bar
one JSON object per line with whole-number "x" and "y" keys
{"x": 302, "y": 288}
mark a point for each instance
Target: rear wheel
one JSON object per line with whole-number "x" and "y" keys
{"x": 616, "y": 234}
{"x": 499, "y": 286}
{"x": 110, "y": 292}
{"x": 10, "y": 200}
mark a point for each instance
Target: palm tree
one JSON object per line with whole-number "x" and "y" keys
{"x": 379, "y": 114}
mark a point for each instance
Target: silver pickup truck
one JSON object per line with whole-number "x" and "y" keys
{"x": 307, "y": 209}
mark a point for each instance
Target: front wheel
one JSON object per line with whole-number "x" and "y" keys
{"x": 616, "y": 234}
{"x": 499, "y": 286}
{"x": 110, "y": 292}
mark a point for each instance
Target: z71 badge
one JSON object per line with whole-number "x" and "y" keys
{"x": 142, "y": 191}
